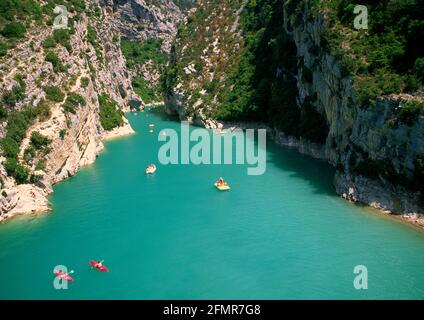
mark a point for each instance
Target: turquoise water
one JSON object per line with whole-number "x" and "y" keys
{"x": 282, "y": 235}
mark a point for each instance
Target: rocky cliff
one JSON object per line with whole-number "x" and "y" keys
{"x": 144, "y": 19}
{"x": 277, "y": 62}
{"x": 148, "y": 29}
{"x": 368, "y": 150}
{"x": 68, "y": 89}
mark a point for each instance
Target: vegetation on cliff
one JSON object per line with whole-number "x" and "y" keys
{"x": 110, "y": 114}
{"x": 386, "y": 57}
{"x": 139, "y": 54}
{"x": 18, "y": 123}
{"x": 29, "y": 45}
{"x": 248, "y": 76}
{"x": 251, "y": 77}
{"x": 246, "y": 60}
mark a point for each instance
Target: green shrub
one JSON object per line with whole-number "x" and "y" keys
{"x": 84, "y": 82}
{"x": 16, "y": 170}
{"x": 10, "y": 147}
{"x": 43, "y": 110}
{"x": 34, "y": 178}
{"x": 29, "y": 154}
{"x": 419, "y": 68}
{"x": 14, "y": 30}
{"x": 3, "y": 49}
{"x": 136, "y": 52}
{"x": 40, "y": 165}
{"x": 72, "y": 102}
{"x": 92, "y": 39}
{"x": 62, "y": 134}
{"x": 146, "y": 92}
{"x": 49, "y": 42}
{"x": 110, "y": 114}
{"x": 39, "y": 141}
{"x": 16, "y": 94}
{"x": 20, "y": 9}
{"x": 385, "y": 59}
{"x": 54, "y": 94}
{"x": 410, "y": 112}
{"x": 16, "y": 128}
{"x": 77, "y": 5}
{"x": 55, "y": 61}
{"x": 52, "y": 57}
{"x": 62, "y": 37}
{"x": 3, "y": 113}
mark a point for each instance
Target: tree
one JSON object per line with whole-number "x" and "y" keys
{"x": 14, "y": 30}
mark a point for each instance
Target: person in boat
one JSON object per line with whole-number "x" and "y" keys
{"x": 98, "y": 264}
{"x": 221, "y": 182}
{"x": 62, "y": 273}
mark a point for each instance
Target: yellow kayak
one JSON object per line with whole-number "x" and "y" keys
{"x": 222, "y": 187}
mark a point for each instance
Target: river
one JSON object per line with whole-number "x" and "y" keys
{"x": 281, "y": 235}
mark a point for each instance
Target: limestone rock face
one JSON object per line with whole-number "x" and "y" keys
{"x": 143, "y": 19}
{"x": 94, "y": 65}
{"x": 357, "y": 136}
{"x": 76, "y": 138}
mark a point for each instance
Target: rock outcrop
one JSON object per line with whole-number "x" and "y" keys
{"x": 88, "y": 66}
{"x": 374, "y": 155}
{"x": 358, "y": 137}
{"x": 144, "y": 19}
{"x": 76, "y": 138}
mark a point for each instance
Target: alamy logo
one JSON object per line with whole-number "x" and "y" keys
{"x": 207, "y": 150}
{"x": 62, "y": 277}
{"x": 361, "y": 280}
{"x": 61, "y": 20}
{"x": 361, "y": 20}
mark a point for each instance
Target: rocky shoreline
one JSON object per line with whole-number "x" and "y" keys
{"x": 29, "y": 199}
{"x": 378, "y": 194}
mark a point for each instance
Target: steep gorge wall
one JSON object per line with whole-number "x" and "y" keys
{"x": 76, "y": 138}
{"x": 375, "y": 160}
{"x": 358, "y": 136}
{"x": 93, "y": 67}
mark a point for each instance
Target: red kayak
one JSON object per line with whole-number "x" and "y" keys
{"x": 101, "y": 268}
{"x": 63, "y": 275}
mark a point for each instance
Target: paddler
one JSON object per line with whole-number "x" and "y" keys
{"x": 98, "y": 264}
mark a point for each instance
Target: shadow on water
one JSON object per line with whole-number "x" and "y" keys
{"x": 317, "y": 173}
{"x": 162, "y": 114}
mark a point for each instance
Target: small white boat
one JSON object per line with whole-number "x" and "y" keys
{"x": 151, "y": 169}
